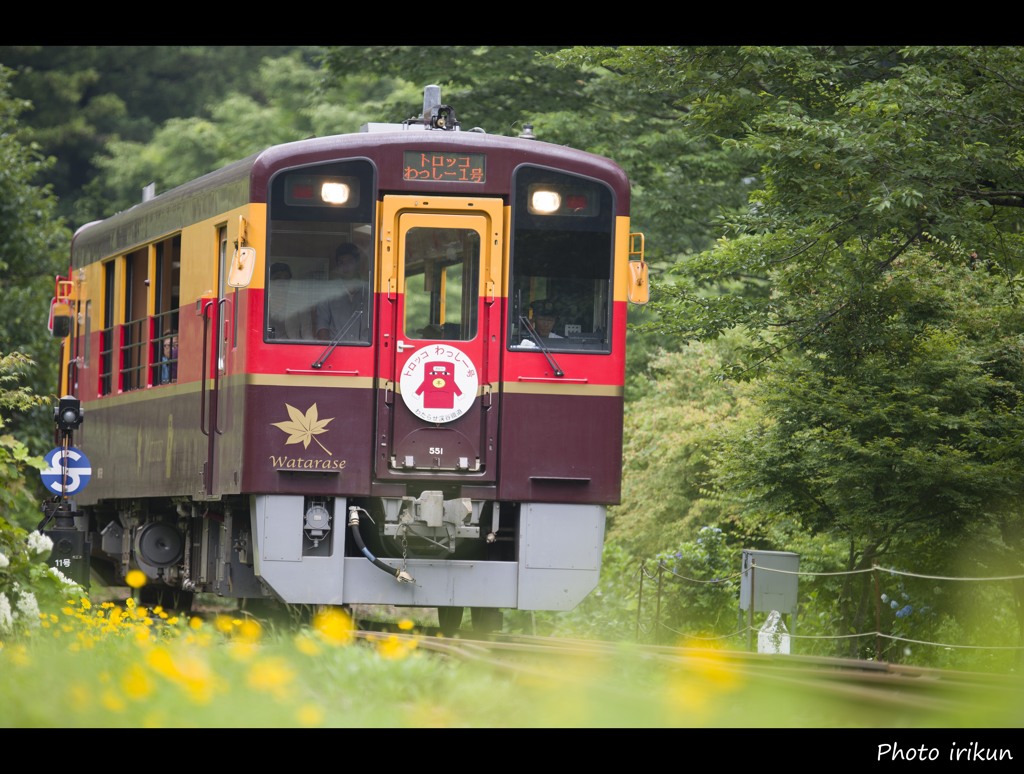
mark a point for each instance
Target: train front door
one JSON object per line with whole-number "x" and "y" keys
{"x": 440, "y": 340}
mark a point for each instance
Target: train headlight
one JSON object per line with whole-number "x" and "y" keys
{"x": 321, "y": 190}
{"x": 573, "y": 201}
{"x": 335, "y": 193}
{"x": 544, "y": 201}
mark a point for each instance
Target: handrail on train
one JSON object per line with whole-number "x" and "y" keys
{"x": 639, "y": 290}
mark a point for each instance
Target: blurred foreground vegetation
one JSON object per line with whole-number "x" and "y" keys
{"x": 113, "y": 666}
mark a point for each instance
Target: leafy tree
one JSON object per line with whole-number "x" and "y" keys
{"x": 19, "y": 499}
{"x": 894, "y": 434}
{"x": 85, "y": 97}
{"x": 666, "y": 463}
{"x": 498, "y": 88}
{"x": 290, "y": 105}
{"x": 684, "y": 181}
{"x": 34, "y": 243}
{"x": 864, "y": 153}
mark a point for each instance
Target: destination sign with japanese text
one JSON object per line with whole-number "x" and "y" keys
{"x": 444, "y": 167}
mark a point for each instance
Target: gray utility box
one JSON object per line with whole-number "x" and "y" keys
{"x": 770, "y": 578}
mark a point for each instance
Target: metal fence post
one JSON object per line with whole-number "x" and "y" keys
{"x": 878, "y": 615}
{"x": 657, "y": 614}
{"x": 640, "y": 599}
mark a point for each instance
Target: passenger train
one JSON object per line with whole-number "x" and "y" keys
{"x": 317, "y": 375}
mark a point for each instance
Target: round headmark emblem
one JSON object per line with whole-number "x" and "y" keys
{"x": 439, "y": 383}
{"x": 67, "y": 471}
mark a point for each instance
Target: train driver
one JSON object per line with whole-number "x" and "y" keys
{"x": 543, "y": 317}
{"x": 346, "y": 308}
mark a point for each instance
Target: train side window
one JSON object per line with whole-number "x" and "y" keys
{"x": 135, "y": 328}
{"x": 166, "y": 299}
{"x": 106, "y": 372}
{"x": 562, "y": 260}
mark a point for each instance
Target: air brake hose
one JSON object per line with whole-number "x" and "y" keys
{"x": 353, "y": 522}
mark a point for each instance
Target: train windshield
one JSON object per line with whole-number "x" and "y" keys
{"x": 320, "y": 261}
{"x": 562, "y": 262}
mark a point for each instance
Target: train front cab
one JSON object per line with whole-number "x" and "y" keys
{"x": 495, "y": 453}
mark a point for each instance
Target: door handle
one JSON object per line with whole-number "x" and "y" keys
{"x": 401, "y": 346}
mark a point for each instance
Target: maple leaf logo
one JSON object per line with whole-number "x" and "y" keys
{"x": 302, "y": 428}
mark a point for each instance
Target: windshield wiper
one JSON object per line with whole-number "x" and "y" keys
{"x": 543, "y": 347}
{"x": 318, "y": 363}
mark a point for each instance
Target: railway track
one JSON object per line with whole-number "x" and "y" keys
{"x": 706, "y": 687}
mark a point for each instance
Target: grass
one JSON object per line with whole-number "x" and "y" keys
{"x": 124, "y": 666}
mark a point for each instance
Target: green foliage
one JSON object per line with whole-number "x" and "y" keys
{"x": 683, "y": 181}
{"x": 288, "y": 103}
{"x": 18, "y": 497}
{"x": 890, "y": 434}
{"x": 669, "y": 431}
{"x": 498, "y": 88}
{"x": 864, "y": 153}
{"x": 33, "y": 242}
{"x": 85, "y": 97}
{"x": 700, "y": 585}
{"x": 874, "y": 272}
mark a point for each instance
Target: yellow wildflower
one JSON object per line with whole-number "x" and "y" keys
{"x": 112, "y": 701}
{"x": 272, "y": 675}
{"x": 392, "y": 648}
{"x": 250, "y": 630}
{"x": 306, "y": 645}
{"x": 310, "y": 715}
{"x": 136, "y": 682}
{"x": 334, "y": 625}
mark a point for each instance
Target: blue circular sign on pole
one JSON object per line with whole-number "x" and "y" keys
{"x": 68, "y": 471}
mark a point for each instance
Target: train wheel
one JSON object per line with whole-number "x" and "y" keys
{"x": 449, "y": 619}
{"x": 486, "y": 620}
